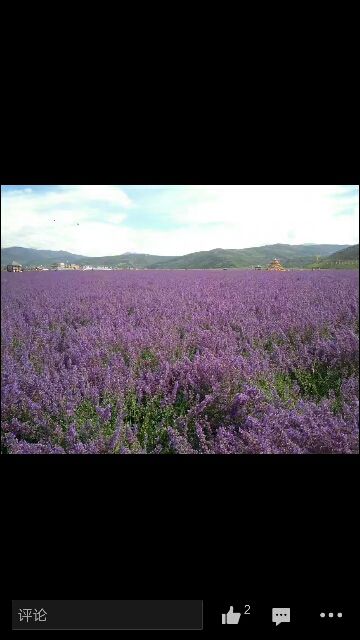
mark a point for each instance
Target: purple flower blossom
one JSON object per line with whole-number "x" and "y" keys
{"x": 181, "y": 362}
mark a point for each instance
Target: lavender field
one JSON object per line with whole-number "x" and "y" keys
{"x": 180, "y": 362}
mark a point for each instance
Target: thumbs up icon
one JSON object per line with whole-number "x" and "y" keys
{"x": 230, "y": 617}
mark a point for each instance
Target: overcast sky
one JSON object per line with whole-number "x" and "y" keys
{"x": 98, "y": 220}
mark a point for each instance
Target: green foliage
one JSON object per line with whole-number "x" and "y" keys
{"x": 147, "y": 359}
{"x": 318, "y": 382}
{"x": 325, "y": 333}
{"x": 16, "y": 343}
{"x": 281, "y": 385}
{"x": 37, "y": 362}
{"x": 315, "y": 384}
{"x": 87, "y": 419}
{"x": 85, "y": 412}
{"x": 268, "y": 344}
{"x": 192, "y": 352}
{"x": 152, "y": 419}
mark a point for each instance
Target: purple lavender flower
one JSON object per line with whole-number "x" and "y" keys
{"x": 181, "y": 362}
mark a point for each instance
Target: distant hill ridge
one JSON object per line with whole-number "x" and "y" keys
{"x": 343, "y": 259}
{"x": 350, "y": 253}
{"x": 290, "y": 255}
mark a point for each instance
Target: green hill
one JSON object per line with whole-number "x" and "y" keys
{"x": 34, "y": 257}
{"x": 291, "y": 256}
{"x": 347, "y": 258}
{"x": 350, "y": 253}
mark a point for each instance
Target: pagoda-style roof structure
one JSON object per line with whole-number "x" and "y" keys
{"x": 275, "y": 265}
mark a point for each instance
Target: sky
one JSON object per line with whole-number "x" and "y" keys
{"x": 170, "y": 220}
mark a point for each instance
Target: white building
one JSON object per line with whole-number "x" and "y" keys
{"x": 58, "y": 266}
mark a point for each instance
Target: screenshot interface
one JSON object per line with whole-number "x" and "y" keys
{"x": 203, "y": 616}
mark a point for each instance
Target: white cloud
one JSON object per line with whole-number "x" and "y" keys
{"x": 99, "y": 219}
{"x": 257, "y": 215}
{"x": 64, "y": 217}
{"x": 72, "y": 195}
{"x": 110, "y": 194}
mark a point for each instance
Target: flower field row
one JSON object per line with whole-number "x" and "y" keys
{"x": 180, "y": 362}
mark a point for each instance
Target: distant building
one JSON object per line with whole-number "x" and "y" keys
{"x": 258, "y": 267}
{"x": 15, "y": 267}
{"x": 58, "y": 266}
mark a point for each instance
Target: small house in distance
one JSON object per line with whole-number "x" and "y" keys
{"x": 258, "y": 267}
{"x": 275, "y": 265}
{"x": 14, "y": 268}
{"x": 58, "y": 266}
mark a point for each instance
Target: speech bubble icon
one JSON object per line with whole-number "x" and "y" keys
{"x": 280, "y": 615}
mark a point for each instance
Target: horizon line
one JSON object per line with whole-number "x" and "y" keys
{"x": 185, "y": 254}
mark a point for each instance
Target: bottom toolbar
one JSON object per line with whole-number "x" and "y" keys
{"x": 196, "y": 615}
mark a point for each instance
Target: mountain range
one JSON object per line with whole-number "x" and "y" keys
{"x": 343, "y": 259}
{"x": 291, "y": 256}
